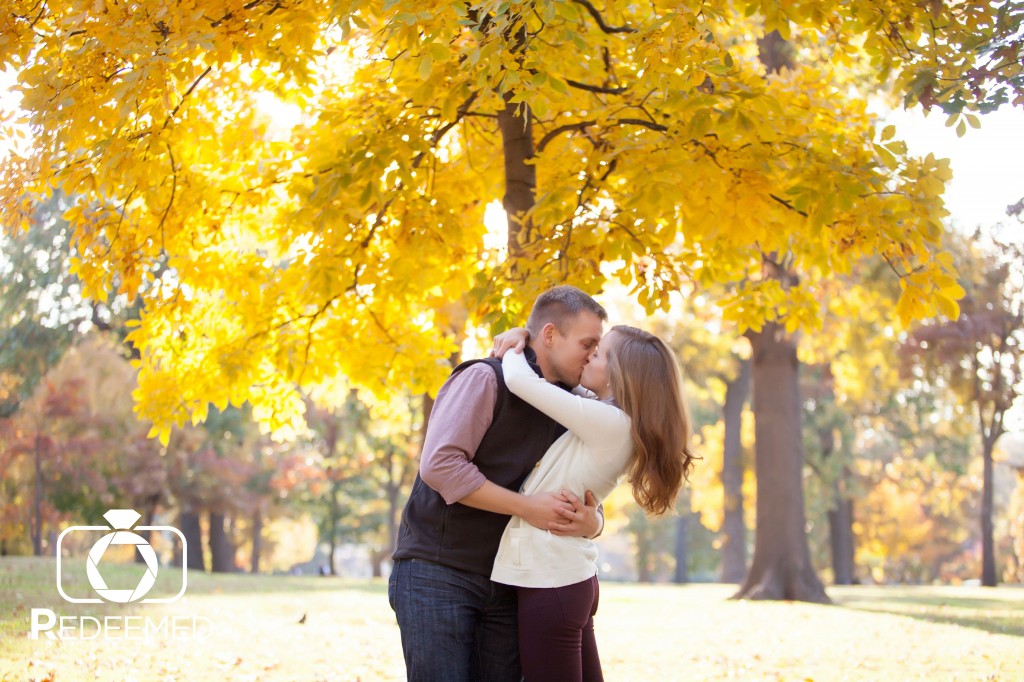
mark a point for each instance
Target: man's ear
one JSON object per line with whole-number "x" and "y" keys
{"x": 547, "y": 333}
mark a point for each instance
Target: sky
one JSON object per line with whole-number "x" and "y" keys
{"x": 987, "y": 163}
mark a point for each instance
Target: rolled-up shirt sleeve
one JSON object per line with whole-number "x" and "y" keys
{"x": 461, "y": 415}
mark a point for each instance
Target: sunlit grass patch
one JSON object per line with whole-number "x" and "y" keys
{"x": 317, "y": 628}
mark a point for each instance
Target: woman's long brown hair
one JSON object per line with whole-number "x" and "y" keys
{"x": 647, "y": 384}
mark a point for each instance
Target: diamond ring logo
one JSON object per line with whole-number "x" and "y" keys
{"x": 121, "y": 522}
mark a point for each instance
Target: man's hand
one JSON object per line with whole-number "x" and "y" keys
{"x": 544, "y": 510}
{"x": 577, "y": 519}
{"x": 514, "y": 339}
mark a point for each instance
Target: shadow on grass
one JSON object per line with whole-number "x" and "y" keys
{"x": 931, "y": 599}
{"x": 996, "y": 625}
{"x": 992, "y": 615}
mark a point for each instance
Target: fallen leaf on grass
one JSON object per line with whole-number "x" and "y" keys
{"x": 48, "y": 675}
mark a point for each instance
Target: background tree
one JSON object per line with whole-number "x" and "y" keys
{"x": 269, "y": 492}
{"x": 366, "y": 467}
{"x": 918, "y": 494}
{"x": 653, "y": 542}
{"x": 828, "y": 436}
{"x": 78, "y": 432}
{"x": 336, "y": 492}
{"x": 718, "y": 385}
{"x": 979, "y": 354}
{"x": 39, "y": 442}
{"x": 1015, "y": 520}
{"x": 395, "y": 441}
{"x": 42, "y": 315}
{"x": 40, "y": 301}
{"x": 706, "y": 355}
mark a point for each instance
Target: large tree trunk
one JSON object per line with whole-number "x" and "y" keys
{"x": 222, "y": 550}
{"x": 188, "y": 524}
{"x": 988, "y": 550}
{"x": 781, "y": 567}
{"x": 520, "y": 175}
{"x": 840, "y": 525}
{"x": 734, "y": 529}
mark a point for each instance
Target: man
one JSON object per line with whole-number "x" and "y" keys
{"x": 481, "y": 443}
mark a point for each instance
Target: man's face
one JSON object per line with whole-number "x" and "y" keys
{"x": 568, "y": 353}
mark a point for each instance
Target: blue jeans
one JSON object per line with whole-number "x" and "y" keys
{"x": 456, "y": 626}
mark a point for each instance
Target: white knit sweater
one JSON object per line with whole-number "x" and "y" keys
{"x": 591, "y": 455}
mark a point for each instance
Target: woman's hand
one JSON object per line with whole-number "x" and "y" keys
{"x": 515, "y": 339}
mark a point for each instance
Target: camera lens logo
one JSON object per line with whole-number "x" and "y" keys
{"x": 121, "y": 521}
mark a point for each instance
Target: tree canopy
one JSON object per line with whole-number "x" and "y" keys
{"x": 296, "y": 190}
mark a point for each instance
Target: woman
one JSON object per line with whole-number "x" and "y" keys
{"x": 636, "y": 422}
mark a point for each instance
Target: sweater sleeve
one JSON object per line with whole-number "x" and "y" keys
{"x": 460, "y": 418}
{"x": 597, "y": 424}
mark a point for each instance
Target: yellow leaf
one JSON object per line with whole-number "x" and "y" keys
{"x": 954, "y": 292}
{"x": 426, "y": 66}
{"x": 948, "y": 307}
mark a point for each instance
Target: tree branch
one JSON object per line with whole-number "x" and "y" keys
{"x": 793, "y": 208}
{"x": 600, "y": 20}
{"x": 596, "y": 88}
{"x": 376, "y": 321}
{"x": 583, "y": 125}
{"x": 174, "y": 187}
{"x": 188, "y": 92}
{"x": 651, "y": 125}
{"x": 552, "y": 134}
{"x": 714, "y": 158}
{"x": 435, "y": 138}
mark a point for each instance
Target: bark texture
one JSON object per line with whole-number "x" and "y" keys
{"x": 781, "y": 566}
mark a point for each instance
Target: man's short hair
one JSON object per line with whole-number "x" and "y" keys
{"x": 560, "y": 306}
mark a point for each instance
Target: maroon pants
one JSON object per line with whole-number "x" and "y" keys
{"x": 556, "y": 633}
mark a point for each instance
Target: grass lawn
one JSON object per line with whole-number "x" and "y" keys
{"x": 645, "y": 632}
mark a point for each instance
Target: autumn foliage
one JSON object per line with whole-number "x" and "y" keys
{"x": 297, "y": 189}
